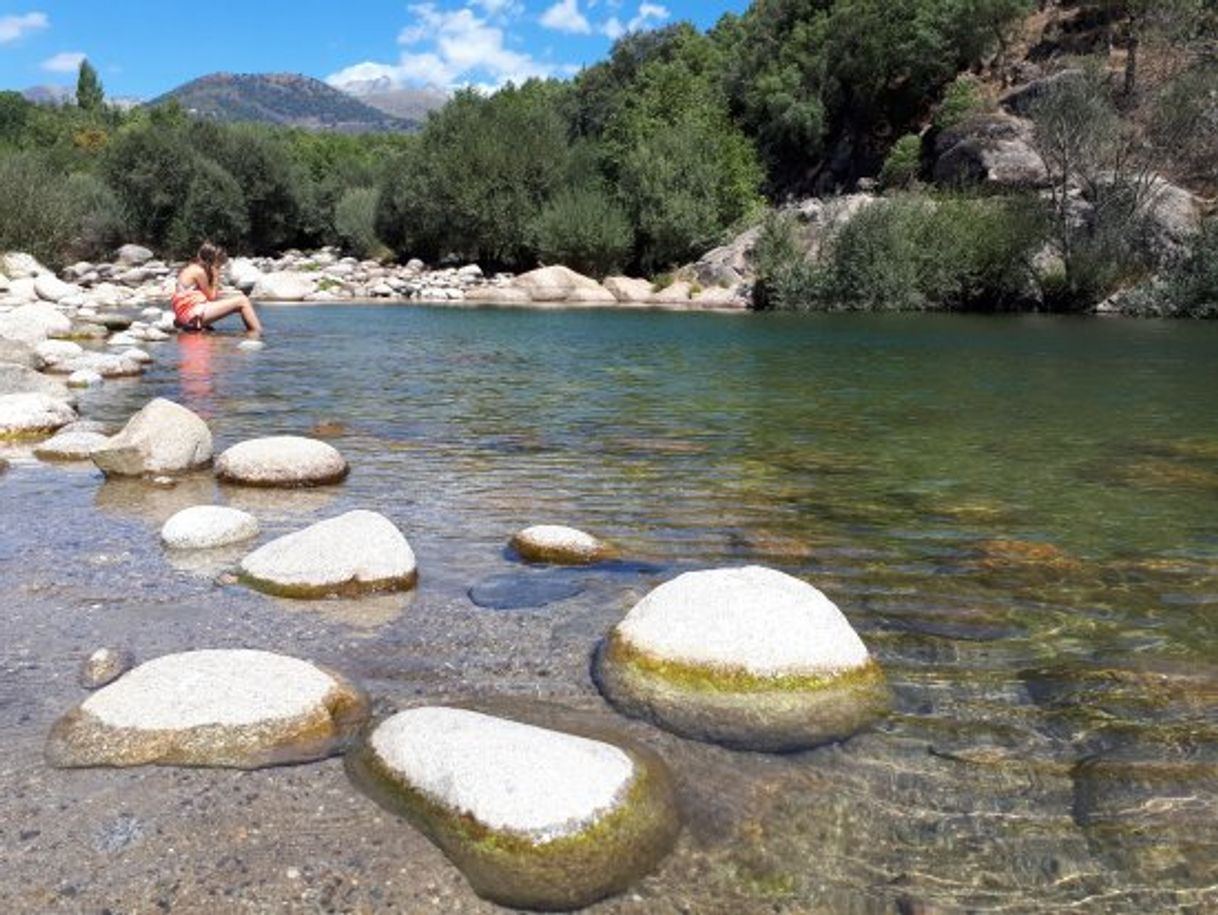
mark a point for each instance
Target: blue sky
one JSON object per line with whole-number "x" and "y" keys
{"x": 145, "y": 47}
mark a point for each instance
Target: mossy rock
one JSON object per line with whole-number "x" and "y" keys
{"x": 543, "y": 851}
{"x": 229, "y": 709}
{"x": 557, "y": 545}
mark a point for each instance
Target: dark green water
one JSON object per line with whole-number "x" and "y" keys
{"x": 1020, "y": 516}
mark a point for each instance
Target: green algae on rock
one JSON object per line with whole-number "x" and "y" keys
{"x": 534, "y": 818}
{"x": 750, "y": 658}
{"x": 32, "y": 416}
{"x": 550, "y": 543}
{"x": 239, "y": 709}
{"x": 360, "y": 552}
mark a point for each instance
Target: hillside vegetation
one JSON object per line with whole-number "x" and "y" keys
{"x": 1023, "y": 150}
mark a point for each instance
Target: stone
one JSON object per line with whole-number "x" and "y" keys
{"x": 629, "y": 291}
{"x": 206, "y": 527}
{"x": 34, "y": 323}
{"x": 243, "y": 274}
{"x": 133, "y": 256}
{"x": 108, "y": 365}
{"x": 500, "y": 295}
{"x": 1022, "y": 100}
{"x": 357, "y": 553}
{"x": 54, "y": 351}
{"x": 17, "y": 379}
{"x": 677, "y": 293}
{"x": 21, "y": 292}
{"x": 103, "y": 667}
{"x": 750, "y": 658}
{"x": 84, "y": 378}
{"x": 534, "y": 818}
{"x": 283, "y": 287}
{"x": 123, "y": 338}
{"x": 470, "y": 271}
{"x": 561, "y": 284}
{"x": 994, "y": 150}
{"x": 33, "y": 415}
{"x": 135, "y": 354}
{"x": 239, "y": 709}
{"x": 19, "y": 266}
{"x": 162, "y": 438}
{"x": 251, "y": 346}
{"x": 282, "y": 461}
{"x": 68, "y": 446}
{"x": 52, "y": 289}
{"x": 14, "y": 352}
{"x": 529, "y": 591}
{"x": 559, "y": 545}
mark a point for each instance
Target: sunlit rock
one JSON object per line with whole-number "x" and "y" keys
{"x": 238, "y": 709}
{"x": 206, "y": 527}
{"x": 32, "y": 415}
{"x": 287, "y": 460}
{"x": 560, "y": 545}
{"x": 103, "y": 667}
{"x": 69, "y": 446}
{"x": 162, "y": 438}
{"x": 750, "y": 658}
{"x": 534, "y": 818}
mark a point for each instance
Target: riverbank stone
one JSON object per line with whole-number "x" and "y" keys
{"x": 356, "y": 553}
{"x": 241, "y": 709}
{"x": 162, "y": 438}
{"x": 750, "y": 658}
{"x": 69, "y": 445}
{"x": 207, "y": 527}
{"x": 551, "y": 543}
{"x": 282, "y": 461}
{"x": 103, "y": 667}
{"x": 33, "y": 415}
{"x": 17, "y": 379}
{"x": 534, "y": 818}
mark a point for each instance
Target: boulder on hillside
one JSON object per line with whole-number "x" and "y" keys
{"x": 133, "y": 256}
{"x": 283, "y": 287}
{"x": 995, "y": 150}
{"x": 562, "y": 284}
{"x": 162, "y": 438}
{"x": 730, "y": 264}
{"x": 1021, "y": 101}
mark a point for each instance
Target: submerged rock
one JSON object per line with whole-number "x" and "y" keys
{"x": 161, "y": 438}
{"x": 750, "y": 658}
{"x": 360, "y": 552}
{"x": 237, "y": 709}
{"x": 534, "y": 818}
{"x": 527, "y": 591}
{"x": 560, "y": 545}
{"x": 286, "y": 460}
{"x": 103, "y": 667}
{"x": 207, "y": 527}
{"x": 33, "y": 415}
{"x": 69, "y": 445}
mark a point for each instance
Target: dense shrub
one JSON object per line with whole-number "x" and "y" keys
{"x": 961, "y": 99}
{"x": 585, "y": 229}
{"x": 904, "y": 162}
{"x": 1189, "y": 288}
{"x": 355, "y": 222}
{"x": 214, "y": 209}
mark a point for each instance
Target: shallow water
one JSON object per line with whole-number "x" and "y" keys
{"x": 1017, "y": 514}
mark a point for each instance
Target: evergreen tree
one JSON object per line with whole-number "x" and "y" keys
{"x": 89, "y": 93}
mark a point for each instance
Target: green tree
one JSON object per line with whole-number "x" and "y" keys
{"x": 89, "y": 93}
{"x": 355, "y": 222}
{"x": 586, "y": 229}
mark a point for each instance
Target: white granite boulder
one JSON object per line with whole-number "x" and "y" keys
{"x": 559, "y": 545}
{"x": 243, "y": 274}
{"x": 34, "y": 323}
{"x": 33, "y": 415}
{"x": 133, "y": 255}
{"x": 750, "y": 658}
{"x": 534, "y": 818}
{"x": 52, "y": 289}
{"x": 282, "y": 461}
{"x": 69, "y": 445}
{"x": 629, "y": 291}
{"x": 237, "y": 709}
{"x": 56, "y": 351}
{"x": 283, "y": 287}
{"x": 108, "y": 365}
{"x": 85, "y": 378}
{"x": 14, "y": 352}
{"x": 206, "y": 527}
{"x": 356, "y": 553}
{"x": 17, "y": 379}
{"x": 19, "y": 266}
{"x": 162, "y": 438}
{"x": 561, "y": 284}
{"x": 103, "y": 667}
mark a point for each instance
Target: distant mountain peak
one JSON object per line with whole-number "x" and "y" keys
{"x": 285, "y": 99}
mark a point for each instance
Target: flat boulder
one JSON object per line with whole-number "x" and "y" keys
{"x": 68, "y": 446}
{"x": 561, "y": 284}
{"x": 206, "y": 527}
{"x": 33, "y": 415}
{"x": 162, "y": 438}
{"x": 282, "y": 461}
{"x": 107, "y": 365}
{"x": 55, "y": 351}
{"x": 34, "y": 323}
{"x": 238, "y": 709}
{"x": 283, "y": 287}
{"x": 559, "y": 545}
{"x": 17, "y": 379}
{"x": 14, "y": 352}
{"x": 534, "y": 818}
{"x": 750, "y": 658}
{"x": 357, "y": 553}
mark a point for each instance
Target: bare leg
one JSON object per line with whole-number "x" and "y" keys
{"x": 237, "y": 304}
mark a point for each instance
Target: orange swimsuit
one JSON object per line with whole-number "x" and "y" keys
{"x": 186, "y": 304}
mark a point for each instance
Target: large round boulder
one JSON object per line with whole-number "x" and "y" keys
{"x": 207, "y": 527}
{"x": 133, "y": 255}
{"x": 287, "y": 461}
{"x": 750, "y": 658}
{"x": 357, "y": 553}
{"x": 33, "y": 415}
{"x": 283, "y": 287}
{"x": 238, "y": 709}
{"x": 534, "y": 818}
{"x": 562, "y": 284}
{"x": 162, "y": 438}
{"x": 51, "y": 288}
{"x": 559, "y": 545}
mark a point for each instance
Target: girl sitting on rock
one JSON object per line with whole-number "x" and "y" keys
{"x": 196, "y": 302}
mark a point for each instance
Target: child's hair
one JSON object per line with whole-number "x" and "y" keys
{"x": 211, "y": 258}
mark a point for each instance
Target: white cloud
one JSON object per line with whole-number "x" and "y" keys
{"x": 455, "y": 47}
{"x": 64, "y": 62}
{"x": 564, "y": 16}
{"x": 15, "y": 27}
{"x": 612, "y": 28}
{"x": 649, "y": 14}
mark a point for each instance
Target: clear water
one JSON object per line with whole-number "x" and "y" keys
{"x": 1019, "y": 515}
